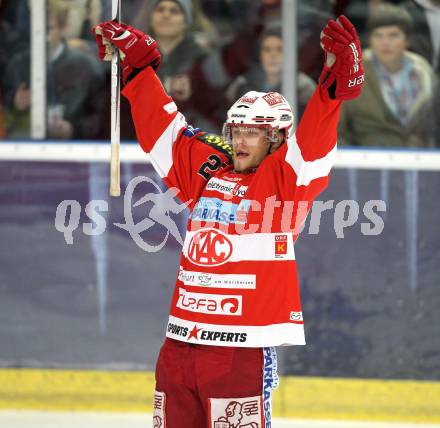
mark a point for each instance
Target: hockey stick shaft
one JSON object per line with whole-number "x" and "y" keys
{"x": 115, "y": 167}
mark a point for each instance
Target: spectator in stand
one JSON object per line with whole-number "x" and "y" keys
{"x": 425, "y": 39}
{"x": 266, "y": 75}
{"x": 74, "y": 83}
{"x": 264, "y": 14}
{"x": 225, "y": 59}
{"x": 170, "y": 21}
{"x": 395, "y": 108}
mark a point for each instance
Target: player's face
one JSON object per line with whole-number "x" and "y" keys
{"x": 388, "y": 44}
{"x": 168, "y": 20}
{"x": 271, "y": 55}
{"x": 250, "y": 147}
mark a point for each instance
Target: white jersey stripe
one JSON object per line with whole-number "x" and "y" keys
{"x": 161, "y": 154}
{"x": 202, "y": 245}
{"x": 306, "y": 171}
{"x": 282, "y": 334}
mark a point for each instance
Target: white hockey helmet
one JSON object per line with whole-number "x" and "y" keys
{"x": 267, "y": 110}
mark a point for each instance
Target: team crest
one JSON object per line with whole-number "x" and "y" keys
{"x": 236, "y": 412}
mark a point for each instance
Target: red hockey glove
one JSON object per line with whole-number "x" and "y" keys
{"x": 138, "y": 50}
{"x": 343, "y": 59}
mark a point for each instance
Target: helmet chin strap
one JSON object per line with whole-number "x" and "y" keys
{"x": 269, "y": 148}
{"x": 271, "y": 143}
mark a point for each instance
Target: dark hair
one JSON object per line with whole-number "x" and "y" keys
{"x": 272, "y": 30}
{"x": 388, "y": 14}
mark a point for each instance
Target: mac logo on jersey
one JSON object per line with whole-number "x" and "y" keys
{"x": 209, "y": 247}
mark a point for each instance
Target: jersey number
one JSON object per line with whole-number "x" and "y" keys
{"x": 211, "y": 165}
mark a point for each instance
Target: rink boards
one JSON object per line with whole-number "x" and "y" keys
{"x": 370, "y": 303}
{"x": 296, "y": 397}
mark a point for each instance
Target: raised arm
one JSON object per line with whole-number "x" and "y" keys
{"x": 342, "y": 78}
{"x": 309, "y": 153}
{"x": 183, "y": 157}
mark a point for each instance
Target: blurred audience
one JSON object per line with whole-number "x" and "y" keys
{"x": 425, "y": 39}
{"x": 231, "y": 17}
{"x": 2, "y": 120}
{"x": 170, "y": 21}
{"x": 194, "y": 69}
{"x": 82, "y": 15}
{"x": 395, "y": 108}
{"x": 14, "y": 30}
{"x": 227, "y": 59}
{"x": 74, "y": 85}
{"x": 358, "y": 12}
{"x": 210, "y": 57}
{"x": 312, "y": 17}
{"x": 266, "y": 74}
{"x": 437, "y": 117}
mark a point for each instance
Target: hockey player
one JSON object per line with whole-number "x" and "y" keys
{"x": 236, "y": 295}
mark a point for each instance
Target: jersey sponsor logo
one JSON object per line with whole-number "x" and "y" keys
{"x": 209, "y": 247}
{"x": 202, "y": 334}
{"x": 216, "y": 210}
{"x": 206, "y": 279}
{"x": 280, "y": 245}
{"x": 217, "y": 143}
{"x": 273, "y": 99}
{"x": 215, "y": 304}
{"x": 178, "y": 330}
{"x": 270, "y": 382}
{"x": 296, "y": 316}
{"x": 243, "y": 412}
{"x": 226, "y": 187}
{"x": 229, "y": 178}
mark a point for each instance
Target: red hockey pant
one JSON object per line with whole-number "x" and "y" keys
{"x": 201, "y": 386}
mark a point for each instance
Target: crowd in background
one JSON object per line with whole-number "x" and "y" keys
{"x": 213, "y": 51}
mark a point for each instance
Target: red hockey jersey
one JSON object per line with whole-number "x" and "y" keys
{"x": 237, "y": 283}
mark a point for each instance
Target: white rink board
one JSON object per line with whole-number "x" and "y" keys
{"x": 71, "y": 151}
{"x": 45, "y": 419}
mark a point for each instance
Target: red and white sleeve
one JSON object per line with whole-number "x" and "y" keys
{"x": 183, "y": 157}
{"x": 309, "y": 154}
